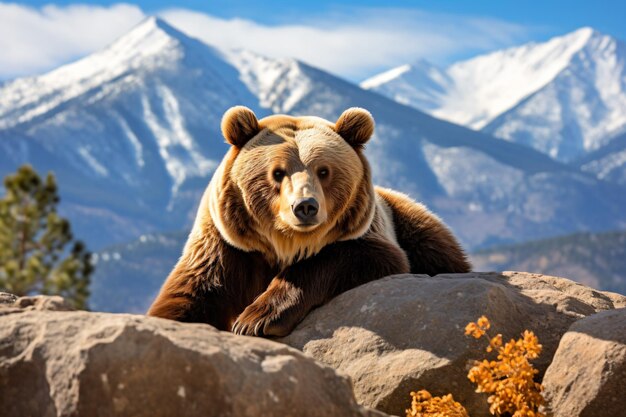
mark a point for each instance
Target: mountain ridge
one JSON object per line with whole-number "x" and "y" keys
{"x": 594, "y": 259}
{"x": 134, "y": 154}
{"x": 133, "y": 136}
{"x": 564, "y": 97}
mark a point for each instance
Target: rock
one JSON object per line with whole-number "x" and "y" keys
{"x": 60, "y": 363}
{"x": 43, "y": 302}
{"x": 10, "y": 303}
{"x": 405, "y": 333}
{"x": 6, "y": 298}
{"x": 588, "y": 374}
{"x": 619, "y": 301}
{"x": 391, "y": 337}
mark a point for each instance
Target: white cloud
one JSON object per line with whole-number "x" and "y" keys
{"x": 358, "y": 43}
{"x": 33, "y": 40}
{"x": 354, "y": 44}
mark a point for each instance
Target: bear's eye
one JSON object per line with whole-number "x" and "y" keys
{"x": 278, "y": 175}
{"x": 322, "y": 173}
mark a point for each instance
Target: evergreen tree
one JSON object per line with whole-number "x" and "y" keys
{"x": 38, "y": 253}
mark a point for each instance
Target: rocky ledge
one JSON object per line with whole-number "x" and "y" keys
{"x": 364, "y": 351}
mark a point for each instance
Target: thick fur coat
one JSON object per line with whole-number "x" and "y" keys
{"x": 291, "y": 219}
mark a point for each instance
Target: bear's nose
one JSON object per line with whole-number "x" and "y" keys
{"x": 305, "y": 208}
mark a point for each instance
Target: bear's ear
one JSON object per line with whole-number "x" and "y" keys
{"x": 356, "y": 126}
{"x": 239, "y": 125}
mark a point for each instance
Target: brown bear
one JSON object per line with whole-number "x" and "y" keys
{"x": 291, "y": 219}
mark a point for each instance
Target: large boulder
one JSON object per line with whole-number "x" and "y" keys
{"x": 391, "y": 337}
{"x": 71, "y": 363}
{"x": 406, "y": 333}
{"x": 588, "y": 374}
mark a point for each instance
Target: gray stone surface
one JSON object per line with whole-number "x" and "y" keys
{"x": 60, "y": 363}
{"x": 390, "y": 337}
{"x": 588, "y": 374}
{"x": 10, "y": 303}
{"x": 406, "y": 333}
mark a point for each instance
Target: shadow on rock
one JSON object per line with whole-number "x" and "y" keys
{"x": 406, "y": 332}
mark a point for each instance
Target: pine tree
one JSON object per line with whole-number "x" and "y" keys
{"x": 38, "y": 253}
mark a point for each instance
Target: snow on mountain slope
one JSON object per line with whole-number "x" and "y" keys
{"x": 278, "y": 83}
{"x": 481, "y": 88}
{"x": 488, "y": 85}
{"x": 564, "y": 97}
{"x": 579, "y": 111}
{"x": 143, "y": 64}
{"x": 609, "y": 162}
{"x": 399, "y": 84}
{"x": 132, "y": 132}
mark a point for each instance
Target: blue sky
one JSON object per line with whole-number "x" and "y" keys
{"x": 351, "y": 39}
{"x": 555, "y": 16}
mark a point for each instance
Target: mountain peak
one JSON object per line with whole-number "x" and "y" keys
{"x": 572, "y": 41}
{"x": 587, "y": 37}
{"x": 152, "y": 44}
{"x": 154, "y": 24}
{"x": 155, "y": 21}
{"x": 420, "y": 68}
{"x": 147, "y": 38}
{"x": 385, "y": 77}
{"x": 433, "y": 82}
{"x": 564, "y": 96}
{"x": 151, "y": 47}
{"x": 423, "y": 63}
{"x": 584, "y": 32}
{"x": 463, "y": 94}
{"x": 588, "y": 32}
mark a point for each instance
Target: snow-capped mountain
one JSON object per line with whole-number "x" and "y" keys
{"x": 489, "y": 190}
{"x": 128, "y": 129}
{"x": 132, "y": 132}
{"x": 564, "y": 97}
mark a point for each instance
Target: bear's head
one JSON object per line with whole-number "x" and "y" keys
{"x": 291, "y": 185}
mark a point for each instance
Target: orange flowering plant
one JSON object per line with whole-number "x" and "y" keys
{"x": 425, "y": 405}
{"x": 509, "y": 379}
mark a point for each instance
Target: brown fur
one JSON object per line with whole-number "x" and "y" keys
{"x": 431, "y": 247}
{"x": 356, "y": 126}
{"x": 252, "y": 267}
{"x": 239, "y": 125}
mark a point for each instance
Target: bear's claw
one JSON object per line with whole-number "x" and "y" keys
{"x": 258, "y": 320}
